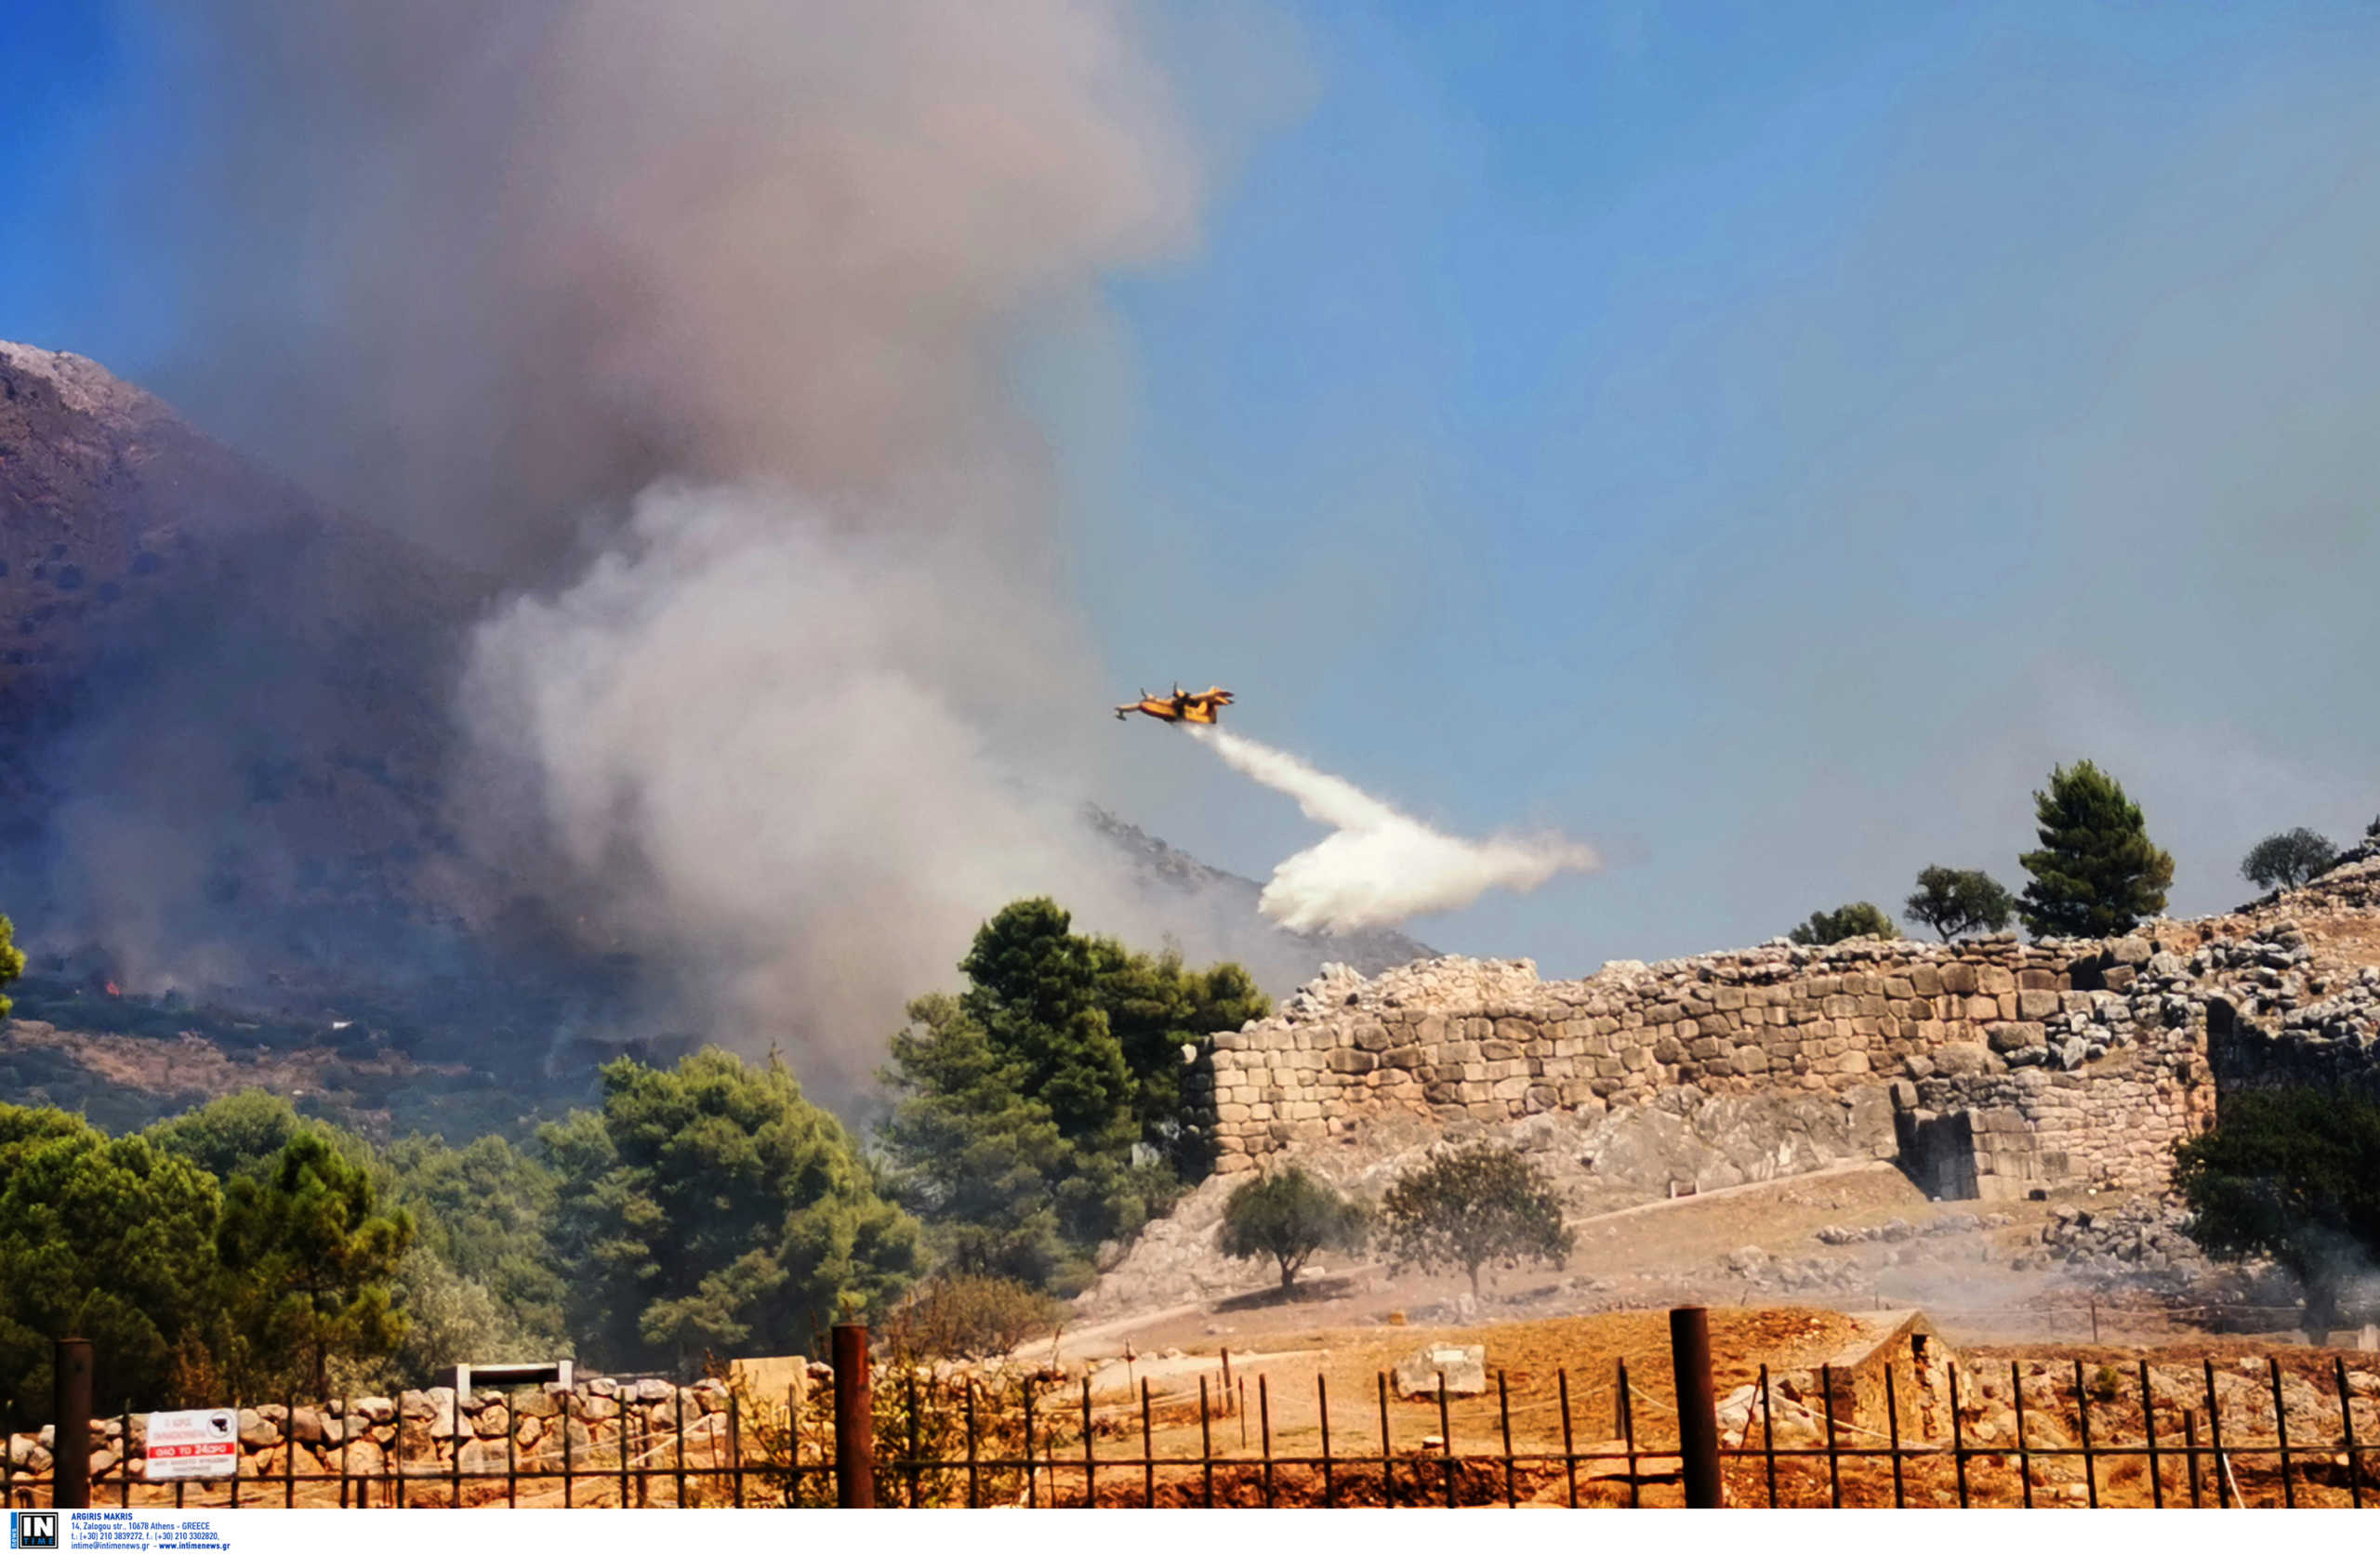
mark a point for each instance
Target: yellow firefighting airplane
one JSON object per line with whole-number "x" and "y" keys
{"x": 1182, "y": 706}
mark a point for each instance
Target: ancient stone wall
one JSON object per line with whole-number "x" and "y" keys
{"x": 2008, "y": 1066}
{"x": 2072, "y": 1053}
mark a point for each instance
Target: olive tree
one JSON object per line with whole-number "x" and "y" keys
{"x": 1857, "y": 920}
{"x": 1952, "y": 901}
{"x": 1288, "y": 1216}
{"x": 1474, "y": 1208}
{"x": 2288, "y": 858}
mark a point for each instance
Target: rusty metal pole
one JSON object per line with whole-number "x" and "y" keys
{"x": 71, "y": 1439}
{"x": 1698, "y": 1414}
{"x": 855, "y": 1420}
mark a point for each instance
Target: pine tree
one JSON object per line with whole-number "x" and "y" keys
{"x": 1035, "y": 994}
{"x": 710, "y": 1206}
{"x": 309, "y": 1248}
{"x": 2096, "y": 873}
{"x": 108, "y": 1237}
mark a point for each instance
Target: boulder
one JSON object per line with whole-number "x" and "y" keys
{"x": 483, "y": 1456}
{"x": 315, "y": 1428}
{"x": 257, "y": 1431}
{"x": 1463, "y": 1367}
{"x": 1961, "y": 1059}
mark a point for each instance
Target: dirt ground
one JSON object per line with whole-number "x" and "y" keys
{"x": 1669, "y": 1253}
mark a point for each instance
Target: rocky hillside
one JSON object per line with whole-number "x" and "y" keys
{"x": 218, "y": 697}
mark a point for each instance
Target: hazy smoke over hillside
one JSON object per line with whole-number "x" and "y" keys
{"x": 1376, "y": 865}
{"x": 689, "y": 324}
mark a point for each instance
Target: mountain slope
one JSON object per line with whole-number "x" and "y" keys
{"x": 226, "y": 759}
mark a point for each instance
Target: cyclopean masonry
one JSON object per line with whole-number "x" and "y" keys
{"x": 2007, "y": 1066}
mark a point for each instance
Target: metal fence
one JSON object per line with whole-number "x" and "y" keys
{"x": 929, "y": 1439}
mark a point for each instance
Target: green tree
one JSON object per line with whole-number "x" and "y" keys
{"x": 12, "y": 960}
{"x": 1034, "y": 989}
{"x": 1288, "y": 1216}
{"x": 1858, "y": 920}
{"x": 2288, "y": 858}
{"x": 449, "y": 1320}
{"x": 243, "y": 1135}
{"x": 712, "y": 1206}
{"x": 2096, "y": 873}
{"x": 109, "y": 1239}
{"x": 313, "y": 1257}
{"x": 1156, "y": 1007}
{"x": 1038, "y": 1114}
{"x": 1952, "y": 901}
{"x": 1473, "y": 1207}
{"x": 2293, "y": 1175}
{"x": 979, "y": 1160}
{"x": 2372, "y": 832}
{"x": 482, "y": 1211}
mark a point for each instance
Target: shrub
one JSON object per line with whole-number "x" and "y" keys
{"x": 1288, "y": 1216}
{"x": 2288, "y": 858}
{"x": 1474, "y": 1208}
{"x": 1858, "y": 920}
{"x": 2290, "y": 1174}
{"x": 966, "y": 1316}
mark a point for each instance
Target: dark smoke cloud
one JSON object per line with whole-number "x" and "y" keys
{"x": 478, "y": 267}
{"x": 691, "y": 326}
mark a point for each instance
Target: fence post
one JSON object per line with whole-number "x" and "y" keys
{"x": 70, "y": 1438}
{"x": 1698, "y": 1417}
{"x": 855, "y": 1420}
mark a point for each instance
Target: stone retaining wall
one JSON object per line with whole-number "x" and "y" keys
{"x": 421, "y": 1435}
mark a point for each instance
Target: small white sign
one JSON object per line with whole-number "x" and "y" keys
{"x": 196, "y": 1443}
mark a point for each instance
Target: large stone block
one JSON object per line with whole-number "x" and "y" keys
{"x": 1461, "y": 1369}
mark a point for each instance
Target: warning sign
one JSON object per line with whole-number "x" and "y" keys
{"x": 197, "y": 1444}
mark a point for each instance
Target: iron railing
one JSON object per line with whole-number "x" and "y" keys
{"x": 1006, "y": 1444}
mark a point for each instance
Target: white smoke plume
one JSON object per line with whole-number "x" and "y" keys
{"x": 761, "y": 746}
{"x": 1379, "y": 866}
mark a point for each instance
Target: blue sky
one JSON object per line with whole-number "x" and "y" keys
{"x": 1758, "y": 439}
